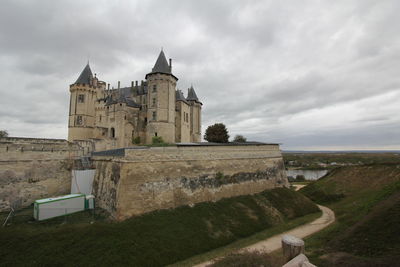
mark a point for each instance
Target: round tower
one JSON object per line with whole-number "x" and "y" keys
{"x": 195, "y": 115}
{"x": 82, "y": 106}
{"x": 161, "y": 84}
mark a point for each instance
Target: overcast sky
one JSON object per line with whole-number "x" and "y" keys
{"x": 308, "y": 74}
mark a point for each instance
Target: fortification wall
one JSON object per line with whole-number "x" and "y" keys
{"x": 33, "y": 168}
{"x": 141, "y": 180}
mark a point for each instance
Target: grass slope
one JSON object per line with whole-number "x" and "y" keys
{"x": 366, "y": 201}
{"x": 154, "y": 239}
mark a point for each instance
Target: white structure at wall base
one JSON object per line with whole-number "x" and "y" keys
{"x": 82, "y": 181}
{"x": 58, "y": 206}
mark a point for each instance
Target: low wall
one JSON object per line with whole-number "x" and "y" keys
{"x": 32, "y": 168}
{"x": 130, "y": 182}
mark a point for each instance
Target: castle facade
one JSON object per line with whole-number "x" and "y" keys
{"x": 116, "y": 118}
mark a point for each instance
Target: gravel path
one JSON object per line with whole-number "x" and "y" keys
{"x": 274, "y": 243}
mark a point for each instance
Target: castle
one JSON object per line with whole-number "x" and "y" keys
{"x": 116, "y": 118}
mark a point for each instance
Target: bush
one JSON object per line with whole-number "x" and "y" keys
{"x": 300, "y": 178}
{"x": 240, "y": 139}
{"x": 136, "y": 140}
{"x": 157, "y": 140}
{"x": 217, "y": 133}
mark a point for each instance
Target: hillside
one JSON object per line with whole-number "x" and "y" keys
{"x": 154, "y": 239}
{"x": 366, "y": 200}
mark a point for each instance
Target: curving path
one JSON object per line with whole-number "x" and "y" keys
{"x": 274, "y": 243}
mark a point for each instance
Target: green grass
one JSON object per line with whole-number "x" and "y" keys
{"x": 311, "y": 161}
{"x": 154, "y": 239}
{"x": 367, "y": 213}
{"x": 244, "y": 242}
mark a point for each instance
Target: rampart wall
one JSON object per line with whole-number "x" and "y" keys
{"x": 131, "y": 182}
{"x": 33, "y": 168}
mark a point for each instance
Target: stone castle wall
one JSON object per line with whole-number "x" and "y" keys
{"x": 131, "y": 182}
{"x": 33, "y": 168}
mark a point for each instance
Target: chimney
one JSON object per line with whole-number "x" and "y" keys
{"x": 132, "y": 84}
{"x": 108, "y": 86}
{"x": 136, "y": 83}
{"x": 170, "y": 64}
{"x": 142, "y": 82}
{"x": 119, "y": 83}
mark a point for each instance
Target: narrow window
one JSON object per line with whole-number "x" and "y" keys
{"x": 154, "y": 116}
{"x": 112, "y": 133}
{"x": 154, "y": 102}
{"x": 79, "y": 120}
{"x": 155, "y": 134}
{"x": 81, "y": 98}
{"x": 154, "y": 88}
{"x": 100, "y": 118}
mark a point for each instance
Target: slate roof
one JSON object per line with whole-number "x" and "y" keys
{"x": 180, "y": 97}
{"x": 122, "y": 97}
{"x": 192, "y": 95}
{"x": 162, "y": 66}
{"x": 85, "y": 76}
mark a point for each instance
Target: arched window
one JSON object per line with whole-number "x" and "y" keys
{"x": 112, "y": 133}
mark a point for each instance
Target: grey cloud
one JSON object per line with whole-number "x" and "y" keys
{"x": 256, "y": 65}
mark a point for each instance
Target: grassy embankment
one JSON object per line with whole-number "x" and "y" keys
{"x": 366, "y": 201}
{"x": 311, "y": 161}
{"x": 154, "y": 239}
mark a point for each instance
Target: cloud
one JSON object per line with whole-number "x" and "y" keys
{"x": 307, "y": 74}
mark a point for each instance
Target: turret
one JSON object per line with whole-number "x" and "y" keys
{"x": 161, "y": 84}
{"x": 81, "y": 109}
{"x": 195, "y": 115}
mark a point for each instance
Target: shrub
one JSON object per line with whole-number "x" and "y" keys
{"x": 219, "y": 175}
{"x": 136, "y": 140}
{"x": 157, "y": 140}
{"x": 300, "y": 178}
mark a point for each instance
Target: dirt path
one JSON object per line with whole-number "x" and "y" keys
{"x": 274, "y": 243}
{"x": 299, "y": 186}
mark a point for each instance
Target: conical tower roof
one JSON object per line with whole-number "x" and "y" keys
{"x": 179, "y": 96}
{"x": 86, "y": 75}
{"x": 192, "y": 95}
{"x": 162, "y": 66}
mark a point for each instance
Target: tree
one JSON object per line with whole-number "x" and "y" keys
{"x": 3, "y": 133}
{"x": 300, "y": 178}
{"x": 217, "y": 133}
{"x": 240, "y": 139}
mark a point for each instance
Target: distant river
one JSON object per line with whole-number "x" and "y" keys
{"x": 308, "y": 174}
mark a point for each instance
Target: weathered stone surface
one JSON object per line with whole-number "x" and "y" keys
{"x": 298, "y": 261}
{"x": 33, "y": 168}
{"x": 160, "y": 178}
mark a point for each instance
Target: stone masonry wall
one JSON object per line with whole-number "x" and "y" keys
{"x": 159, "y": 178}
{"x": 33, "y": 168}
